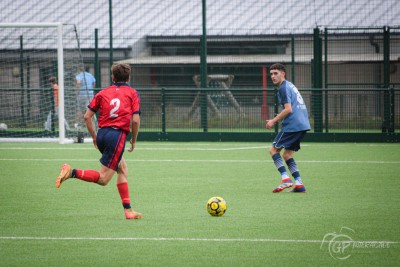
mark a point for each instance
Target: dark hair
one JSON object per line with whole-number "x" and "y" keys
{"x": 81, "y": 67}
{"x": 52, "y": 79}
{"x": 278, "y": 66}
{"x": 121, "y": 72}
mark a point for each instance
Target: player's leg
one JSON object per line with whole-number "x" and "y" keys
{"x": 291, "y": 163}
{"x": 294, "y": 170}
{"x": 110, "y": 146}
{"x": 80, "y": 111}
{"x": 66, "y": 125}
{"x": 101, "y": 177}
{"x": 106, "y": 175}
{"x": 123, "y": 190}
{"x": 47, "y": 123}
{"x": 274, "y": 151}
{"x": 111, "y": 143}
{"x": 65, "y": 174}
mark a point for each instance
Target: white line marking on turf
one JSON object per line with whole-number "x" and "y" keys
{"x": 140, "y": 148}
{"x": 214, "y": 160}
{"x": 192, "y": 147}
{"x": 46, "y": 148}
{"x": 179, "y": 239}
{"x": 207, "y": 149}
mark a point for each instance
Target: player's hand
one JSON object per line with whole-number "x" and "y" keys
{"x": 133, "y": 144}
{"x": 269, "y": 124}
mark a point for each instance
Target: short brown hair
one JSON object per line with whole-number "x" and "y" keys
{"x": 121, "y": 72}
{"x": 278, "y": 66}
{"x": 52, "y": 79}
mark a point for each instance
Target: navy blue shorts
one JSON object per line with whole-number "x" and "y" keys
{"x": 111, "y": 143}
{"x": 289, "y": 141}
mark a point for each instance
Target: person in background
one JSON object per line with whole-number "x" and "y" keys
{"x": 119, "y": 109}
{"x": 85, "y": 82}
{"x": 49, "y": 123}
{"x": 295, "y": 124}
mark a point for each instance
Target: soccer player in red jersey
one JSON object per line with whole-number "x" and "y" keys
{"x": 119, "y": 108}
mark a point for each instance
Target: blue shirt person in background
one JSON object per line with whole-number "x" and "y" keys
{"x": 295, "y": 124}
{"x": 85, "y": 82}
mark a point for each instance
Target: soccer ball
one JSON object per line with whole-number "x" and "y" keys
{"x": 3, "y": 127}
{"x": 216, "y": 206}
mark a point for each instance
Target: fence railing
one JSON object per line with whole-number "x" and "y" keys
{"x": 212, "y": 113}
{"x": 245, "y": 110}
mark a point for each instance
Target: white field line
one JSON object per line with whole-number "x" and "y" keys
{"x": 140, "y": 148}
{"x": 219, "y": 144}
{"x": 211, "y": 161}
{"x": 194, "y": 147}
{"x": 253, "y": 240}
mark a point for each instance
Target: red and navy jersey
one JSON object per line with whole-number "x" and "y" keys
{"x": 117, "y": 103}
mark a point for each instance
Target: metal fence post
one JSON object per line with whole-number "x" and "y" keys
{"x": 317, "y": 82}
{"x": 387, "y": 120}
{"x": 391, "y": 113}
{"x": 326, "y": 102}
{"x": 111, "y": 59}
{"x": 163, "y": 122}
{"x": 293, "y": 58}
{"x": 21, "y": 71}
{"x": 96, "y": 59}
{"x": 203, "y": 71}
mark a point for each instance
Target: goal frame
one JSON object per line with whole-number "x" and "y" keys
{"x": 60, "y": 66}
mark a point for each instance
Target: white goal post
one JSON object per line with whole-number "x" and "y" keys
{"x": 60, "y": 69}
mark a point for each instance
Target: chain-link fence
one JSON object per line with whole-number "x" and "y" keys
{"x": 343, "y": 55}
{"x": 243, "y": 110}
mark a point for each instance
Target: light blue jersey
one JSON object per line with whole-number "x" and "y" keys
{"x": 86, "y": 80}
{"x": 298, "y": 120}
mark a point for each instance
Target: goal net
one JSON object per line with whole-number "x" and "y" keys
{"x": 38, "y": 89}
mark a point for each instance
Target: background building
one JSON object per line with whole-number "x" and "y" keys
{"x": 330, "y": 45}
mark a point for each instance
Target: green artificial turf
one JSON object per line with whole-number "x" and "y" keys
{"x": 352, "y": 200}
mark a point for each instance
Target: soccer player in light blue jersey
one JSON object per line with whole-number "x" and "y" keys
{"x": 86, "y": 83}
{"x": 295, "y": 124}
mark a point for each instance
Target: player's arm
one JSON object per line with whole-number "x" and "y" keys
{"x": 135, "y": 125}
{"x": 93, "y": 81}
{"x": 90, "y": 125}
{"x": 283, "y": 114}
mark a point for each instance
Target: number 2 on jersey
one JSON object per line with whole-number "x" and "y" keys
{"x": 115, "y": 103}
